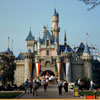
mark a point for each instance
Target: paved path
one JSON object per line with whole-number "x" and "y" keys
{"x": 52, "y": 92}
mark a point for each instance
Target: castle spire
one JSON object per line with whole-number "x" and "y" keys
{"x": 12, "y": 41}
{"x": 47, "y": 27}
{"x": 65, "y": 40}
{"x": 87, "y": 37}
{"x": 8, "y": 42}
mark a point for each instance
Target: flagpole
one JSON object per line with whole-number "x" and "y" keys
{"x": 86, "y": 37}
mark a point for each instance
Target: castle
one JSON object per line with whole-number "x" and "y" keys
{"x": 47, "y": 55}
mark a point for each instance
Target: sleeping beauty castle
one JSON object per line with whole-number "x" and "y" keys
{"x": 47, "y": 55}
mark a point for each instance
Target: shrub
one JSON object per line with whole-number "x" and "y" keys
{"x": 21, "y": 87}
{"x": 2, "y": 88}
{"x": 9, "y": 95}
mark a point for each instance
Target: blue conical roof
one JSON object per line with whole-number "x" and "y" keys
{"x": 28, "y": 51}
{"x": 30, "y": 36}
{"x": 20, "y": 57}
{"x": 86, "y": 50}
{"x": 55, "y": 13}
{"x": 67, "y": 49}
{"x": 9, "y": 51}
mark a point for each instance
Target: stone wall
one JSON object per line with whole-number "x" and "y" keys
{"x": 76, "y": 72}
{"x": 19, "y": 74}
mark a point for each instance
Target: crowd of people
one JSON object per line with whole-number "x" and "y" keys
{"x": 32, "y": 86}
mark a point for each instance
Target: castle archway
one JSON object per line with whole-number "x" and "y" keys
{"x": 47, "y": 72}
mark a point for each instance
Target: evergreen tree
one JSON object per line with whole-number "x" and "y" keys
{"x": 7, "y": 66}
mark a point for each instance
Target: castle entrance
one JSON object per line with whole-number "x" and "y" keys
{"x": 47, "y": 72}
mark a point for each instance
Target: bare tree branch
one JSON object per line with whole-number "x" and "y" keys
{"x": 93, "y": 3}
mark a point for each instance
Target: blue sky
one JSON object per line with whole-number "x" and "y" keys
{"x": 17, "y": 16}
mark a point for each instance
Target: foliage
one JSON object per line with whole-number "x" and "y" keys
{"x": 88, "y": 93}
{"x": 8, "y": 66}
{"x": 93, "y": 3}
{"x": 9, "y": 95}
{"x": 21, "y": 87}
{"x": 82, "y": 93}
{"x": 85, "y": 83}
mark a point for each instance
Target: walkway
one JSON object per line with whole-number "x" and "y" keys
{"x": 52, "y": 92}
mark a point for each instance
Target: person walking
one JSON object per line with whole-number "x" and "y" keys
{"x": 91, "y": 85}
{"x": 59, "y": 86}
{"x": 26, "y": 84}
{"x": 31, "y": 86}
{"x": 45, "y": 84}
{"x": 35, "y": 87}
{"x": 65, "y": 85}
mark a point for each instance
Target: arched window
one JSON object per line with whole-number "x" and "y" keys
{"x": 47, "y": 52}
{"x": 47, "y": 43}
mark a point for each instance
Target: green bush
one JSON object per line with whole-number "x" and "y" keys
{"x": 86, "y": 83}
{"x": 82, "y": 93}
{"x": 88, "y": 93}
{"x": 21, "y": 87}
{"x": 9, "y": 95}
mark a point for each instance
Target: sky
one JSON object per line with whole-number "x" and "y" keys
{"x": 17, "y": 16}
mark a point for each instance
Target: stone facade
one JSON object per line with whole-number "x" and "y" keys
{"x": 19, "y": 73}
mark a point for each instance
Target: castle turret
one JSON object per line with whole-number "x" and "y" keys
{"x": 38, "y": 46}
{"x": 56, "y": 46}
{"x": 43, "y": 30}
{"x": 55, "y": 28}
{"x": 30, "y": 42}
{"x": 67, "y": 54}
{"x": 28, "y": 57}
{"x": 87, "y": 60}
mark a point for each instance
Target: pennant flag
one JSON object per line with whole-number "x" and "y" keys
{"x": 67, "y": 68}
{"x": 64, "y": 66}
{"x": 58, "y": 68}
{"x": 38, "y": 68}
{"x": 30, "y": 68}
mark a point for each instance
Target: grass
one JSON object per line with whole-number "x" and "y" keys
{"x": 88, "y": 93}
{"x": 9, "y": 95}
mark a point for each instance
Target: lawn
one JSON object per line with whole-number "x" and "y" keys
{"x": 8, "y": 95}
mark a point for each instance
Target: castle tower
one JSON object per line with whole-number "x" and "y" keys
{"x": 55, "y": 28}
{"x": 38, "y": 46}
{"x": 30, "y": 42}
{"x": 87, "y": 60}
{"x": 56, "y": 46}
{"x": 43, "y": 30}
{"x": 28, "y": 57}
{"x": 67, "y": 62}
{"x": 66, "y": 55}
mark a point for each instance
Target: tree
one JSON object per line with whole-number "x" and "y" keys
{"x": 93, "y": 3}
{"x": 7, "y": 66}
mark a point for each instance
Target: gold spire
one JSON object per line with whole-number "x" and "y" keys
{"x": 86, "y": 37}
{"x": 47, "y": 27}
{"x": 12, "y": 41}
{"x": 8, "y": 42}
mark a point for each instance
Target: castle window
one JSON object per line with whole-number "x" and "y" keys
{"x": 47, "y": 43}
{"x": 47, "y": 52}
